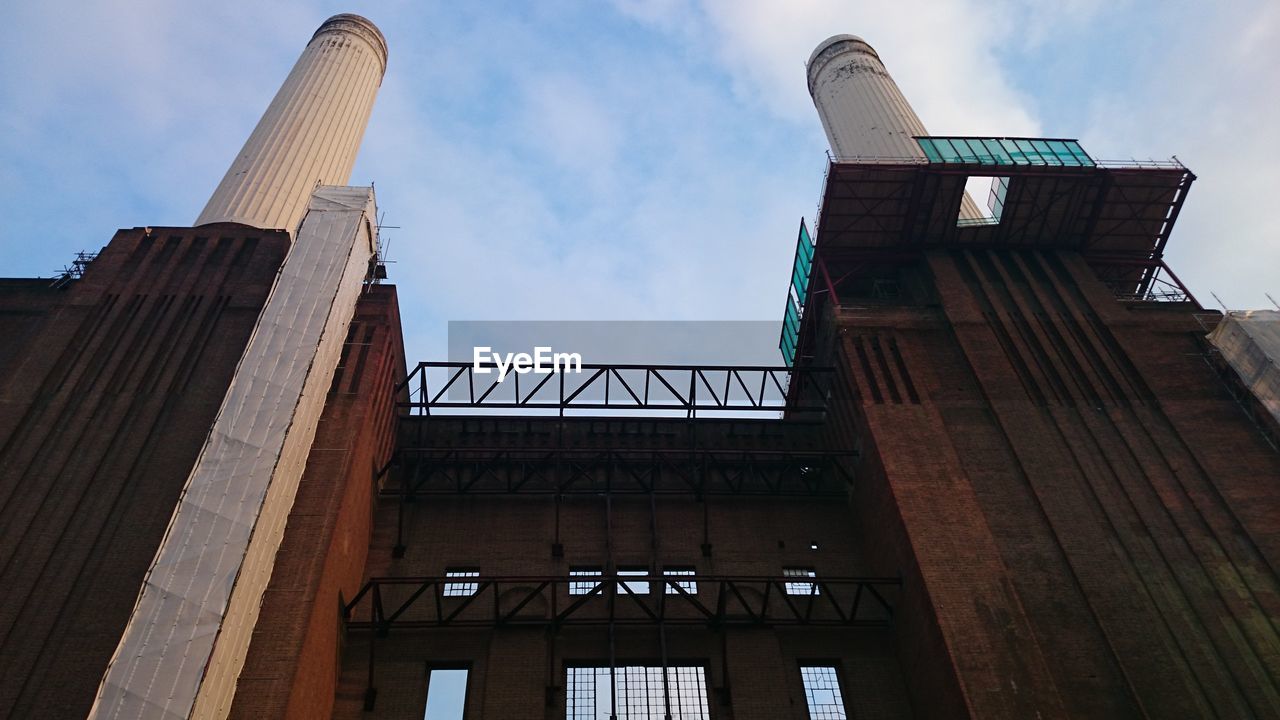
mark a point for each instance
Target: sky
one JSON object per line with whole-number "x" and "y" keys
{"x": 624, "y": 160}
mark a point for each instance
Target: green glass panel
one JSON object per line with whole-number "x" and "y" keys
{"x": 1005, "y": 151}
{"x": 800, "y": 281}
{"x": 1062, "y": 152}
{"x": 804, "y": 255}
{"x": 1012, "y": 152}
{"x": 996, "y": 151}
{"x": 804, "y": 263}
{"x": 804, "y": 260}
{"x": 805, "y": 242}
{"x": 930, "y": 150}
{"x": 1047, "y": 156}
{"x": 788, "y": 356}
{"x": 1028, "y": 152}
{"x": 1080, "y": 154}
{"x": 950, "y": 153}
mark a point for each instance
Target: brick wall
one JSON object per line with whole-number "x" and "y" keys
{"x": 292, "y": 667}
{"x": 107, "y": 390}
{"x": 1078, "y": 503}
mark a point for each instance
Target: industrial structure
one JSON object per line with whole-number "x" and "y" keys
{"x": 1003, "y": 471}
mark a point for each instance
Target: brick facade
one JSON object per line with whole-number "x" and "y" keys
{"x": 108, "y": 387}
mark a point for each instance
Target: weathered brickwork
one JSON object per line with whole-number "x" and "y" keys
{"x": 108, "y": 387}
{"x": 292, "y": 666}
{"x": 1081, "y": 514}
{"x": 1085, "y": 516}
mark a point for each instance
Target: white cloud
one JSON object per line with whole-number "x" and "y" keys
{"x": 551, "y": 163}
{"x": 940, "y": 54}
{"x": 568, "y": 124}
{"x": 1212, "y": 102}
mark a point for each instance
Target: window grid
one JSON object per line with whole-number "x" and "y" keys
{"x": 585, "y": 586}
{"x": 689, "y": 586}
{"x": 822, "y": 692}
{"x": 800, "y": 588}
{"x": 636, "y": 587}
{"x": 639, "y": 693}
{"x": 580, "y": 700}
{"x": 461, "y": 589}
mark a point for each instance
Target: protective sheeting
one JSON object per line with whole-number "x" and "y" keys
{"x": 186, "y": 641}
{"x": 1250, "y": 343}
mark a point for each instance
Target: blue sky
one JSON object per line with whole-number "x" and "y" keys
{"x": 627, "y": 159}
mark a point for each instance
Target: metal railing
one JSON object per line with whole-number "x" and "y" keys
{"x": 618, "y": 390}
{"x": 388, "y": 603}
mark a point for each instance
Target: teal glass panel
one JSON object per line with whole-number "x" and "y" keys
{"x": 788, "y": 355}
{"x": 800, "y": 281}
{"x": 1046, "y": 153}
{"x": 996, "y": 151}
{"x": 803, "y": 262}
{"x": 949, "y": 152}
{"x": 930, "y": 150}
{"x": 1080, "y": 154}
{"x": 804, "y": 256}
{"x": 1062, "y": 153}
{"x": 1028, "y": 151}
{"x": 1011, "y": 151}
{"x": 1005, "y": 151}
{"x": 806, "y": 243}
{"x": 984, "y": 153}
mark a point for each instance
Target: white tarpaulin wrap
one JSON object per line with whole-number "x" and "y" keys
{"x": 186, "y": 641}
{"x": 1250, "y": 343}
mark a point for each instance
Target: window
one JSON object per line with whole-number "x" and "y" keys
{"x": 590, "y": 693}
{"x": 583, "y": 587}
{"x": 461, "y": 589}
{"x": 690, "y": 586}
{"x": 446, "y": 694}
{"x": 633, "y": 587}
{"x": 822, "y": 692}
{"x": 800, "y": 588}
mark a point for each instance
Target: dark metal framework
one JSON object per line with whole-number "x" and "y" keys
{"x": 1107, "y": 209}
{"x": 75, "y": 270}
{"x": 1140, "y": 279}
{"x": 1119, "y": 215}
{"x": 721, "y": 601}
{"x": 686, "y": 390}
{"x": 452, "y": 470}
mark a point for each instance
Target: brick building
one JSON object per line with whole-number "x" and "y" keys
{"x": 999, "y": 474}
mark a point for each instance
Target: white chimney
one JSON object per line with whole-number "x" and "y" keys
{"x": 863, "y": 112}
{"x": 311, "y": 131}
